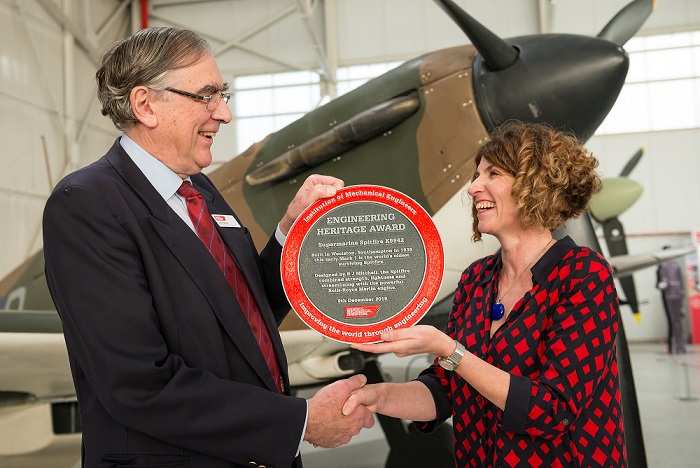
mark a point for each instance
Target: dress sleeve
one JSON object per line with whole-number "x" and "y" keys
{"x": 437, "y": 379}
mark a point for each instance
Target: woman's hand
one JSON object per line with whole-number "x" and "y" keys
{"x": 413, "y": 340}
{"x": 367, "y": 396}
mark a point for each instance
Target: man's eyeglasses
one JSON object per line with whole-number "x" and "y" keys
{"x": 212, "y": 100}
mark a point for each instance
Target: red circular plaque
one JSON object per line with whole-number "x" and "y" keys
{"x": 367, "y": 260}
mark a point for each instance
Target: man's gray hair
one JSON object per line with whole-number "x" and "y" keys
{"x": 143, "y": 59}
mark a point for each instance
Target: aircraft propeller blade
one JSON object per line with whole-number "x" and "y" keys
{"x": 497, "y": 53}
{"x": 627, "y": 21}
{"x": 615, "y": 239}
{"x": 633, "y": 162}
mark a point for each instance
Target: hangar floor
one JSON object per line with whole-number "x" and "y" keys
{"x": 668, "y": 392}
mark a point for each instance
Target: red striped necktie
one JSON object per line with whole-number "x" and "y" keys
{"x": 204, "y": 225}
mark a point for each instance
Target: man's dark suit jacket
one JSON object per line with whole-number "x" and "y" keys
{"x": 166, "y": 369}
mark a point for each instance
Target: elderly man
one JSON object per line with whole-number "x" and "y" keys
{"x": 170, "y": 319}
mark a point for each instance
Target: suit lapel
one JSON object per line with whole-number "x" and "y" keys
{"x": 239, "y": 246}
{"x": 198, "y": 263}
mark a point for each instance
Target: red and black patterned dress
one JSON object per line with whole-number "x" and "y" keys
{"x": 558, "y": 343}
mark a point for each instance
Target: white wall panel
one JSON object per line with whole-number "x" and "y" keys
{"x": 672, "y": 14}
{"x": 669, "y": 172}
{"x": 32, "y": 108}
{"x": 23, "y": 217}
{"x": 28, "y": 104}
{"x": 392, "y": 29}
{"x": 96, "y": 143}
{"x": 589, "y": 17}
{"x": 30, "y": 8}
{"x": 24, "y": 166}
{"x": 673, "y": 180}
{"x": 371, "y": 30}
{"x": 25, "y": 184}
{"x": 23, "y": 71}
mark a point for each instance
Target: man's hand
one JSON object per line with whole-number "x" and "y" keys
{"x": 408, "y": 400}
{"x": 314, "y": 187}
{"x": 327, "y": 426}
{"x": 368, "y": 397}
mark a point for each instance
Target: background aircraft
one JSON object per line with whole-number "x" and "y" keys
{"x": 616, "y": 196}
{"x": 415, "y": 129}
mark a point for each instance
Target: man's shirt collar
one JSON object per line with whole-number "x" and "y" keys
{"x": 164, "y": 180}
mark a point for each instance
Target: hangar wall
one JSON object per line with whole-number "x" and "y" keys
{"x": 51, "y": 124}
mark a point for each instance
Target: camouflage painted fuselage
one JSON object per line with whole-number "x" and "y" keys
{"x": 429, "y": 156}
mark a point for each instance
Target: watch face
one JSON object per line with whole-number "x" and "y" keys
{"x": 446, "y": 364}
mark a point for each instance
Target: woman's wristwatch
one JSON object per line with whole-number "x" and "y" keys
{"x": 451, "y": 362}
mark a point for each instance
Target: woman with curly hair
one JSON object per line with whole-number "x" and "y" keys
{"x": 527, "y": 365}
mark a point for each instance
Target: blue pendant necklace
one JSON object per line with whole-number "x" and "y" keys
{"x": 497, "y": 309}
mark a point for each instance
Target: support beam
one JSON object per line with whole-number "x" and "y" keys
{"x": 88, "y": 47}
{"x": 306, "y": 13}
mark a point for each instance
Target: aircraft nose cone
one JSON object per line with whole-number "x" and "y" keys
{"x": 570, "y": 82}
{"x": 614, "y": 198}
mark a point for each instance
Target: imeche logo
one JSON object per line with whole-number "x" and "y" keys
{"x": 361, "y": 311}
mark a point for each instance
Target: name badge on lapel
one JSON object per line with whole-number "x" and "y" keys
{"x": 225, "y": 220}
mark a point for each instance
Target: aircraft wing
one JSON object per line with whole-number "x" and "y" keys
{"x": 624, "y": 265}
{"x": 34, "y": 362}
{"x": 33, "y": 357}
{"x": 314, "y": 359}
{"x": 37, "y": 397}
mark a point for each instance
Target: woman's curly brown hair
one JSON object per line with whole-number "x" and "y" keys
{"x": 555, "y": 175}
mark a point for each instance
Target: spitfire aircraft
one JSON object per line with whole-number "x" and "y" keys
{"x": 416, "y": 129}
